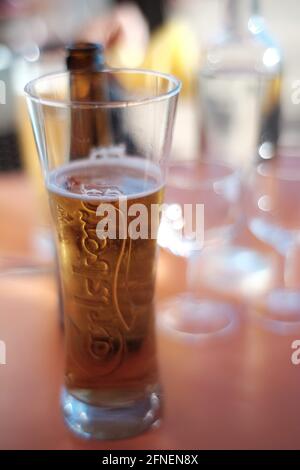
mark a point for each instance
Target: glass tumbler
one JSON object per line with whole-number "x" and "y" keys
{"x": 104, "y": 155}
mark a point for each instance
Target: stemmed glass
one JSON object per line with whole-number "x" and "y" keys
{"x": 202, "y": 206}
{"x": 203, "y": 213}
{"x": 273, "y": 214}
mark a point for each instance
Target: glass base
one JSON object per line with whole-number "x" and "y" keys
{"x": 96, "y": 422}
{"x": 193, "y": 320}
{"x": 232, "y": 271}
{"x": 278, "y": 312}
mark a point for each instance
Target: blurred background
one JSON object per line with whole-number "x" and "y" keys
{"x": 167, "y": 35}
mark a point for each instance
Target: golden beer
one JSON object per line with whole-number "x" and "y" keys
{"x": 108, "y": 284}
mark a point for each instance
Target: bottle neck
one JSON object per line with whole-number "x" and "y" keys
{"x": 83, "y": 57}
{"x": 238, "y": 14}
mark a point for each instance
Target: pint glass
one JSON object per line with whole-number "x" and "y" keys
{"x": 104, "y": 157}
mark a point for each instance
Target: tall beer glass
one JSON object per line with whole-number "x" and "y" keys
{"x": 104, "y": 154}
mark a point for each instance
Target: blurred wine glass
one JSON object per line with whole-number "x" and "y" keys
{"x": 273, "y": 209}
{"x": 200, "y": 220}
{"x": 202, "y": 206}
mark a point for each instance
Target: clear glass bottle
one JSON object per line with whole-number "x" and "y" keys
{"x": 240, "y": 85}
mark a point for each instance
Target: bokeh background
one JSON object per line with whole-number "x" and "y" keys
{"x": 169, "y": 35}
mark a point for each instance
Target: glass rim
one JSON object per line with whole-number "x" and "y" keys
{"x": 233, "y": 173}
{"x": 271, "y": 169}
{"x": 56, "y": 103}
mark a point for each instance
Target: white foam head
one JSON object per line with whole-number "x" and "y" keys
{"x": 140, "y": 177}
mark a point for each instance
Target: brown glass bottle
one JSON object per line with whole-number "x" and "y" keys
{"x": 90, "y": 126}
